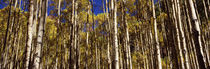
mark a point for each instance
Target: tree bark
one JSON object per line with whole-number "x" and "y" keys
{"x": 71, "y": 47}
{"x": 108, "y": 43}
{"x": 186, "y": 59}
{"x": 156, "y": 38}
{"x": 116, "y": 53}
{"x": 75, "y": 35}
{"x": 30, "y": 34}
{"x": 38, "y": 47}
{"x": 87, "y": 37}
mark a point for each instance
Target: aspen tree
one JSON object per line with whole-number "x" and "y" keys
{"x": 116, "y": 52}
{"x": 156, "y": 38}
{"x": 29, "y": 39}
{"x": 186, "y": 59}
{"x": 197, "y": 36}
{"x": 108, "y": 44}
{"x": 38, "y": 47}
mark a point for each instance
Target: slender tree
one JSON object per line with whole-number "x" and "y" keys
{"x": 108, "y": 43}
{"x": 87, "y": 36}
{"x": 156, "y": 38}
{"x": 38, "y": 47}
{"x": 197, "y": 36}
{"x": 182, "y": 36}
{"x": 116, "y": 52}
{"x": 75, "y": 34}
{"x": 30, "y": 34}
{"x": 127, "y": 39}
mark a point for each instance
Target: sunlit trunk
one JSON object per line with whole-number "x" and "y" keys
{"x": 156, "y": 38}
{"x": 30, "y": 34}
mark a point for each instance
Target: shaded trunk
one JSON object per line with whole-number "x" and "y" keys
{"x": 71, "y": 47}
{"x": 197, "y": 36}
{"x": 170, "y": 37}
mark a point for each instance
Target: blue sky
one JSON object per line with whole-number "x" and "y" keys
{"x": 2, "y": 4}
{"x": 97, "y": 6}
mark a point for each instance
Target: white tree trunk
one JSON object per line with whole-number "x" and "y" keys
{"x": 156, "y": 37}
{"x": 30, "y": 29}
{"x": 75, "y": 35}
{"x": 35, "y": 19}
{"x": 127, "y": 38}
{"x": 116, "y": 57}
{"x": 182, "y": 36}
{"x": 108, "y": 43}
{"x": 174, "y": 6}
{"x": 38, "y": 47}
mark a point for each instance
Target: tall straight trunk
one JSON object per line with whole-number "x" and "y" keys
{"x": 38, "y": 47}
{"x": 45, "y": 20}
{"x": 127, "y": 44}
{"x": 35, "y": 17}
{"x": 192, "y": 40}
{"x": 186, "y": 59}
{"x": 188, "y": 36}
{"x": 30, "y": 34}
{"x": 174, "y": 7}
{"x": 156, "y": 37}
{"x": 197, "y": 36}
{"x": 87, "y": 37}
{"x": 71, "y": 36}
{"x": 108, "y": 43}
{"x": 75, "y": 34}
{"x": 34, "y": 26}
{"x": 116, "y": 53}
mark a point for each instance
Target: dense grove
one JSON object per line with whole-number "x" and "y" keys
{"x": 129, "y": 34}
